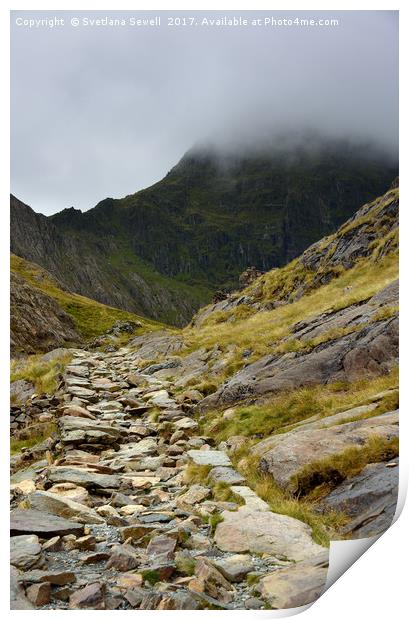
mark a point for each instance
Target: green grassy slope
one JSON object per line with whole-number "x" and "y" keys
{"x": 91, "y": 318}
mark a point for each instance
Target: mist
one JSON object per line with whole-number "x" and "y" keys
{"x": 107, "y": 111}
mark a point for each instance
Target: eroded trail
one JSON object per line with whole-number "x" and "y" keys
{"x": 111, "y": 522}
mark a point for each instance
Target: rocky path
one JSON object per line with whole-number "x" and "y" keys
{"x": 110, "y": 521}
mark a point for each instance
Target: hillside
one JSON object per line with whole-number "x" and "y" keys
{"x": 45, "y": 315}
{"x": 164, "y": 251}
{"x": 210, "y": 467}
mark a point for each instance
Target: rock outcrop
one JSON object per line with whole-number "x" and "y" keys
{"x": 368, "y": 348}
{"x": 38, "y": 323}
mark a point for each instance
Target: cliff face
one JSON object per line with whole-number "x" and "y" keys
{"x": 165, "y": 250}
{"x": 84, "y": 263}
{"x": 38, "y": 323}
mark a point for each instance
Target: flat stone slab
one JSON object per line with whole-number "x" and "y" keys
{"x": 235, "y": 567}
{"x": 63, "y": 507}
{"x": 227, "y": 475}
{"x": 251, "y": 499}
{"x": 214, "y": 458}
{"x": 83, "y": 477}
{"x": 41, "y": 523}
{"x": 265, "y": 532}
{"x": 81, "y": 392}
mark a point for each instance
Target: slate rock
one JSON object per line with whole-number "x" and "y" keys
{"x": 63, "y": 507}
{"x": 41, "y": 523}
{"x": 369, "y": 499}
{"x": 90, "y": 597}
{"x": 83, "y": 477}
{"x": 227, "y": 475}
{"x": 39, "y": 594}
{"x": 209, "y": 457}
{"x": 18, "y": 599}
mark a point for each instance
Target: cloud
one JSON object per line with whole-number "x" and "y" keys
{"x": 105, "y": 111}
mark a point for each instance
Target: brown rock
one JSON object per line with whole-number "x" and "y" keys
{"x": 90, "y": 597}
{"x": 56, "y": 577}
{"x": 123, "y": 558}
{"x": 161, "y": 545}
{"x": 39, "y": 594}
{"x": 211, "y": 582}
{"x": 130, "y": 580}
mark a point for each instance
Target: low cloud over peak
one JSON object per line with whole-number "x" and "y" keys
{"x": 106, "y": 111}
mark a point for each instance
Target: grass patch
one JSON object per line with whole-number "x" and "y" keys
{"x": 185, "y": 564}
{"x": 264, "y": 331}
{"x": 284, "y": 410}
{"x": 38, "y": 434}
{"x": 43, "y": 375}
{"x": 332, "y": 470}
{"x": 222, "y": 492}
{"x": 214, "y": 521}
{"x": 150, "y": 576}
{"x": 197, "y": 474}
{"x": 323, "y": 526}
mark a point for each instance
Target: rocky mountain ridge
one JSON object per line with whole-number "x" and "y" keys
{"x": 164, "y": 251}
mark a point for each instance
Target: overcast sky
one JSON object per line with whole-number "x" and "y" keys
{"x": 105, "y": 111}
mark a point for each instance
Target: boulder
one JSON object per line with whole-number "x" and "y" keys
{"x": 371, "y": 351}
{"x": 21, "y": 391}
{"x": 296, "y": 585}
{"x": 290, "y": 452}
{"x": 265, "y": 532}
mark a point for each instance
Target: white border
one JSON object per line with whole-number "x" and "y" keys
{"x": 386, "y": 563}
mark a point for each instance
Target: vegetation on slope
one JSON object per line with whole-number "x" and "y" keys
{"x": 91, "y": 318}
{"x": 43, "y": 374}
{"x": 278, "y": 413}
{"x": 262, "y": 332}
{"x": 215, "y": 214}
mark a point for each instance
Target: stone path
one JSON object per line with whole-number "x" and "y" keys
{"x": 111, "y": 523}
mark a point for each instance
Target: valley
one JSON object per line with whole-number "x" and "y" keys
{"x": 208, "y": 466}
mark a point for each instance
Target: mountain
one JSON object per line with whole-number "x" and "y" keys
{"x": 165, "y": 250}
